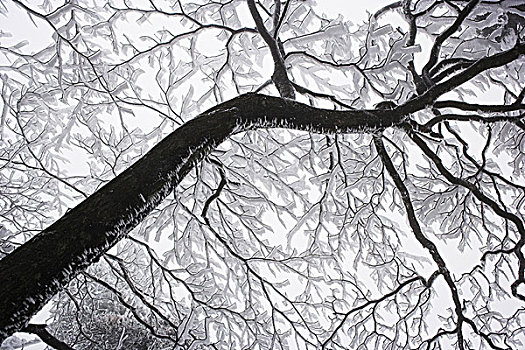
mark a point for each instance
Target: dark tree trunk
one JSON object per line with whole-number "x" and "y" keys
{"x": 40, "y": 268}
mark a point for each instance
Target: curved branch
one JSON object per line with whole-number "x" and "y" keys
{"x": 46, "y": 263}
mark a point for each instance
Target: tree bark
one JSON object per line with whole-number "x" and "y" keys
{"x": 40, "y": 268}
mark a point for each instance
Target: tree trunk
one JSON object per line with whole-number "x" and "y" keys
{"x": 40, "y": 268}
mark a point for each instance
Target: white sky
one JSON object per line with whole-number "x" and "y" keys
{"x": 21, "y": 26}
{"x": 354, "y": 10}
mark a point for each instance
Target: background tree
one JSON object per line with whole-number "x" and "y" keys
{"x": 394, "y": 219}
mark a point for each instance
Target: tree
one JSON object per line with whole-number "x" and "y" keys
{"x": 371, "y": 197}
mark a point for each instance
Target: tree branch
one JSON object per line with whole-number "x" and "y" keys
{"x": 418, "y": 232}
{"x": 281, "y": 19}
{"x": 471, "y": 117}
{"x": 385, "y": 9}
{"x": 280, "y": 76}
{"x": 412, "y": 32}
{"x": 46, "y": 263}
{"x": 473, "y": 107}
{"x": 41, "y": 331}
{"x": 434, "y": 53}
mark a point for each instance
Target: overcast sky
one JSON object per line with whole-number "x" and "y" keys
{"x": 352, "y": 10}
{"x": 20, "y": 25}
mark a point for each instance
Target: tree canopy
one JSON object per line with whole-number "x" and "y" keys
{"x": 240, "y": 174}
